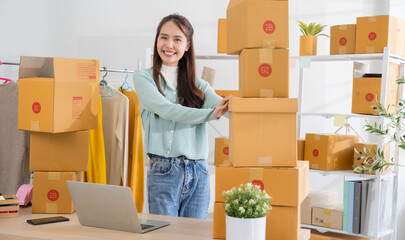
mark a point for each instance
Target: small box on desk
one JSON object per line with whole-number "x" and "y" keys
{"x": 9, "y": 207}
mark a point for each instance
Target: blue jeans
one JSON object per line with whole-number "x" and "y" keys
{"x": 178, "y": 187}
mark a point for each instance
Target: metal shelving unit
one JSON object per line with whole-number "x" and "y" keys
{"x": 386, "y": 58}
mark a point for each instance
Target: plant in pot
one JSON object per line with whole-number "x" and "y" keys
{"x": 246, "y": 208}
{"x": 309, "y": 38}
{"x": 375, "y": 160}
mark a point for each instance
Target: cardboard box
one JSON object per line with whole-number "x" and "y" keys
{"x": 226, "y": 93}
{"x": 221, "y": 35}
{"x": 315, "y": 235}
{"x": 222, "y": 152}
{"x": 328, "y": 216}
{"x": 316, "y": 197}
{"x": 263, "y": 132}
{"x": 300, "y": 148}
{"x": 50, "y": 192}
{"x": 369, "y": 148}
{"x": 330, "y": 152}
{"x": 368, "y": 90}
{"x": 263, "y": 73}
{"x": 281, "y": 222}
{"x": 343, "y": 39}
{"x": 376, "y": 32}
{"x": 58, "y": 94}
{"x": 54, "y": 152}
{"x": 287, "y": 186}
{"x": 9, "y": 207}
{"x": 306, "y": 211}
{"x": 256, "y": 24}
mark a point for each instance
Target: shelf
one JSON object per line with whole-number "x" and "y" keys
{"x": 324, "y": 229}
{"x": 349, "y": 173}
{"x": 350, "y": 57}
{"x": 331, "y": 115}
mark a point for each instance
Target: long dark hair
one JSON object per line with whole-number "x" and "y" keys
{"x": 188, "y": 93}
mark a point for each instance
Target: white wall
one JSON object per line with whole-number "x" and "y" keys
{"x": 118, "y": 32}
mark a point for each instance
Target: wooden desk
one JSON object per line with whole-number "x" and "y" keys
{"x": 179, "y": 228}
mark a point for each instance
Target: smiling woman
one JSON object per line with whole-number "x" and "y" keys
{"x": 175, "y": 106}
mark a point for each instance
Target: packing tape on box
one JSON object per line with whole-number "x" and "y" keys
{"x": 265, "y": 161}
{"x": 267, "y": 43}
{"x": 35, "y": 126}
{"x": 256, "y": 174}
{"x": 226, "y": 141}
{"x": 266, "y": 93}
{"x": 327, "y": 212}
{"x": 317, "y": 137}
{"x": 342, "y": 50}
{"x": 54, "y": 176}
{"x": 342, "y": 27}
{"x": 314, "y": 166}
{"x": 51, "y": 208}
{"x": 370, "y": 49}
{"x": 372, "y": 19}
{"x": 326, "y": 224}
{"x": 265, "y": 55}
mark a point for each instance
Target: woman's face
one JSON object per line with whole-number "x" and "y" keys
{"x": 171, "y": 44}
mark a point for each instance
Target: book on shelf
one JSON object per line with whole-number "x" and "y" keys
{"x": 357, "y": 207}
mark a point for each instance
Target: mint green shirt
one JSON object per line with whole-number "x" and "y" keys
{"x": 179, "y": 130}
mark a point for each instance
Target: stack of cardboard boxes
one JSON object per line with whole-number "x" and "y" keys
{"x": 262, "y": 123}
{"x": 58, "y": 103}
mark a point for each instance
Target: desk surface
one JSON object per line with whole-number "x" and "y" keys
{"x": 179, "y": 228}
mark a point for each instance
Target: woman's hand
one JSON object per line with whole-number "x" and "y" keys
{"x": 222, "y": 107}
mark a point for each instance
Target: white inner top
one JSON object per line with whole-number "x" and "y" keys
{"x": 170, "y": 75}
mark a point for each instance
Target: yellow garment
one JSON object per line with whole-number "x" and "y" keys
{"x": 135, "y": 150}
{"x": 96, "y": 170}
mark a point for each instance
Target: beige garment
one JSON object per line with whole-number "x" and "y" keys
{"x": 14, "y": 143}
{"x": 115, "y": 131}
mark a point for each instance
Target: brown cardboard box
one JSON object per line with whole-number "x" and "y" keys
{"x": 306, "y": 211}
{"x": 315, "y": 235}
{"x": 9, "y": 207}
{"x": 263, "y": 73}
{"x": 330, "y": 152}
{"x": 367, "y": 90}
{"x": 300, "y": 148}
{"x": 256, "y": 24}
{"x": 263, "y": 132}
{"x": 281, "y": 222}
{"x": 316, "y": 197}
{"x": 369, "y": 148}
{"x": 328, "y": 216}
{"x": 50, "y": 192}
{"x": 376, "y": 32}
{"x": 221, "y": 35}
{"x": 222, "y": 152}
{"x": 58, "y": 94}
{"x": 54, "y": 152}
{"x": 226, "y": 93}
{"x": 343, "y": 39}
{"x": 287, "y": 186}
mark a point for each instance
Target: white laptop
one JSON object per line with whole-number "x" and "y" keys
{"x": 108, "y": 206}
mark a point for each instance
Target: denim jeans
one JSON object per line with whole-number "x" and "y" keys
{"x": 178, "y": 186}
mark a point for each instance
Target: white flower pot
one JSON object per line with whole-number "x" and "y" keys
{"x": 245, "y": 228}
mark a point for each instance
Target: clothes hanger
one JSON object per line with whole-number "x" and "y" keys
{"x": 125, "y": 86}
{"x": 6, "y": 79}
{"x": 105, "y": 85}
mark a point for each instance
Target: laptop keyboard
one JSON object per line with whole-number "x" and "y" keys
{"x": 146, "y": 226}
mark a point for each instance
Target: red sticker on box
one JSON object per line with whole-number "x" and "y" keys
{"x": 369, "y": 97}
{"x": 53, "y": 195}
{"x": 265, "y": 70}
{"x": 372, "y": 36}
{"x": 258, "y": 183}
{"x": 226, "y": 150}
{"x": 315, "y": 153}
{"x": 269, "y": 27}
{"x": 36, "y": 107}
{"x": 222, "y": 96}
{"x": 370, "y": 161}
{"x": 342, "y": 41}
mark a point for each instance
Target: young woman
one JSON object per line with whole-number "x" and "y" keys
{"x": 175, "y": 106}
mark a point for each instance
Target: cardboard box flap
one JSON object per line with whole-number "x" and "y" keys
{"x": 36, "y": 67}
{"x": 276, "y": 105}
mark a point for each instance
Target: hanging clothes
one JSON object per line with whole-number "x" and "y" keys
{"x": 96, "y": 171}
{"x": 115, "y": 131}
{"x": 135, "y": 150}
{"x": 14, "y": 143}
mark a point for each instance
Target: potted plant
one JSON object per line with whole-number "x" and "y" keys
{"x": 375, "y": 160}
{"x": 308, "y": 40}
{"x": 246, "y": 208}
